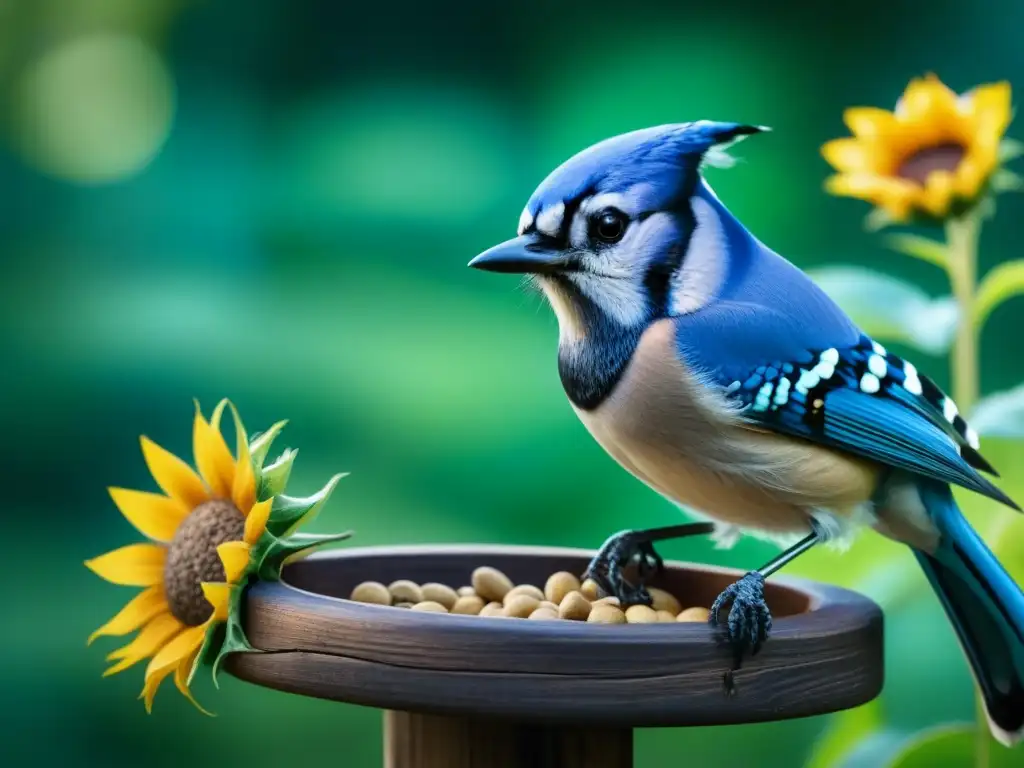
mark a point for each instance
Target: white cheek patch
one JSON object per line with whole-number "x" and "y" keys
{"x": 702, "y": 272}
{"x": 525, "y": 220}
{"x": 549, "y": 221}
{"x": 623, "y": 301}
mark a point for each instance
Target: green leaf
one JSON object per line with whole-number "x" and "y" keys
{"x": 288, "y": 512}
{"x": 1004, "y": 180}
{"x": 890, "y": 309}
{"x": 1000, "y": 414}
{"x": 274, "y": 478}
{"x": 259, "y": 443}
{"x": 950, "y": 746}
{"x": 947, "y": 746}
{"x": 1001, "y": 283}
{"x": 920, "y": 248}
{"x": 1010, "y": 149}
{"x": 845, "y": 731}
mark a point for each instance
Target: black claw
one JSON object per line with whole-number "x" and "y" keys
{"x": 750, "y": 622}
{"x": 615, "y": 554}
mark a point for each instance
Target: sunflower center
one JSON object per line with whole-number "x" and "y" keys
{"x": 942, "y": 157}
{"x": 192, "y": 558}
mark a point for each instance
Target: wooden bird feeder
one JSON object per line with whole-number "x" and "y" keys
{"x": 474, "y": 692}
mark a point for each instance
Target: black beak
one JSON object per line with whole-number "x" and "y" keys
{"x": 527, "y": 254}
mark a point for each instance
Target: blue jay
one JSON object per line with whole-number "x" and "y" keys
{"x": 721, "y": 376}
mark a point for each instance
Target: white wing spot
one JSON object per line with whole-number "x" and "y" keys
{"x": 911, "y": 382}
{"x": 879, "y": 349}
{"x": 869, "y": 383}
{"x": 782, "y": 393}
{"x": 824, "y": 369}
{"x": 830, "y": 356}
{"x": 949, "y": 409}
{"x": 972, "y": 438}
{"x": 878, "y": 366}
{"x": 808, "y": 380}
{"x": 762, "y": 401}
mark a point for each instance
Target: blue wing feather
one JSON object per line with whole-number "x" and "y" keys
{"x": 811, "y": 380}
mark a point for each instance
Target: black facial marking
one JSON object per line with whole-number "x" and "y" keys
{"x": 590, "y": 369}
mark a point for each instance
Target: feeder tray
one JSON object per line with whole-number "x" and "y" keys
{"x": 476, "y": 692}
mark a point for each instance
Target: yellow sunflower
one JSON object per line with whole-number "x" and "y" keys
{"x": 932, "y": 156}
{"x": 202, "y": 528}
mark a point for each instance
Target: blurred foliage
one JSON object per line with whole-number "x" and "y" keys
{"x": 276, "y": 201}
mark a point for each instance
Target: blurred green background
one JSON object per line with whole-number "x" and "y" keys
{"x": 275, "y": 202}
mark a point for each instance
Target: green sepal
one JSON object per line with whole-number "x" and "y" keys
{"x": 274, "y": 478}
{"x": 878, "y": 219}
{"x": 288, "y": 512}
{"x": 234, "y": 639}
{"x": 259, "y": 443}
{"x": 280, "y": 552}
{"x": 1005, "y": 180}
{"x": 1010, "y": 149}
{"x": 208, "y": 650}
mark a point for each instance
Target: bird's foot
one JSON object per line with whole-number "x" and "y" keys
{"x": 750, "y": 622}
{"x": 614, "y": 555}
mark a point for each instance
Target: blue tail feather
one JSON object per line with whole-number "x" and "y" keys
{"x": 985, "y": 606}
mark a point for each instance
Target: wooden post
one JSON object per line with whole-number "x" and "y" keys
{"x": 413, "y": 740}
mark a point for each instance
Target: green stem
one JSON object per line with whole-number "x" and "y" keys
{"x": 962, "y": 242}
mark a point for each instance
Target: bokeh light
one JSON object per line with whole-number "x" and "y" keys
{"x": 95, "y": 109}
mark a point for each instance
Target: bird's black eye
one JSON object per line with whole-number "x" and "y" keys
{"x": 608, "y": 226}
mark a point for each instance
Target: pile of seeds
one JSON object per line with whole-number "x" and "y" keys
{"x": 492, "y": 593}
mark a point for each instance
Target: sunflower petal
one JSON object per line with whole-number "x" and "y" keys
{"x": 140, "y": 609}
{"x": 970, "y": 175}
{"x": 992, "y": 107}
{"x": 150, "y": 640}
{"x": 243, "y": 491}
{"x": 256, "y": 521}
{"x": 926, "y": 99}
{"x": 177, "y": 479}
{"x": 234, "y": 555}
{"x": 219, "y": 596}
{"x": 168, "y": 658}
{"x": 154, "y": 515}
{"x": 136, "y": 565}
{"x": 853, "y": 155}
{"x": 938, "y": 193}
{"x": 870, "y": 122}
{"x": 181, "y": 675}
{"x": 212, "y": 455}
